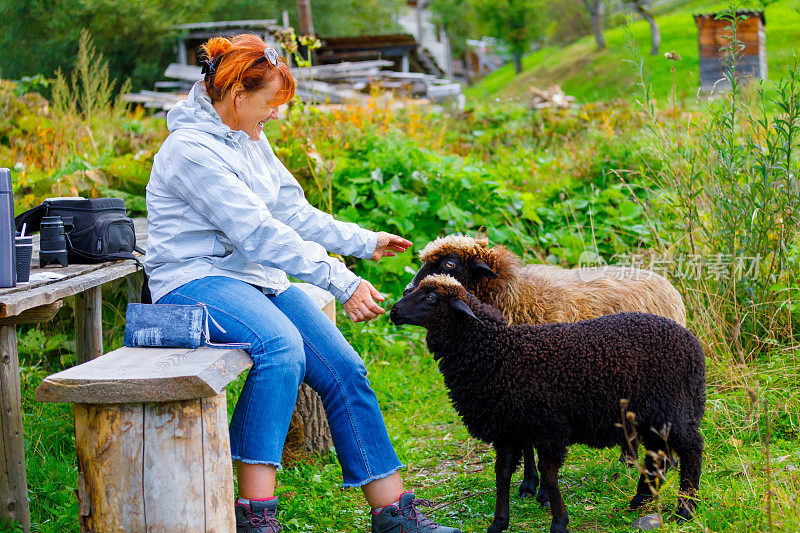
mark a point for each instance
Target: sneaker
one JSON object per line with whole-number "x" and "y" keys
{"x": 258, "y": 517}
{"x": 406, "y": 518}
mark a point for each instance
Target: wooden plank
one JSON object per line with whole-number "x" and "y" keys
{"x": 89, "y": 324}
{"x": 109, "y": 446}
{"x": 13, "y": 480}
{"x": 342, "y": 67}
{"x": 146, "y": 374}
{"x": 184, "y": 72}
{"x": 267, "y": 24}
{"x": 17, "y": 302}
{"x": 157, "y": 374}
{"x": 43, "y": 313}
{"x": 217, "y": 471}
{"x": 173, "y": 467}
{"x": 330, "y": 311}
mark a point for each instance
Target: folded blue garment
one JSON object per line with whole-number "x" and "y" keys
{"x": 174, "y": 326}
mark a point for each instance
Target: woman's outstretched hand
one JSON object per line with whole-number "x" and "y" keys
{"x": 389, "y": 245}
{"x": 361, "y": 306}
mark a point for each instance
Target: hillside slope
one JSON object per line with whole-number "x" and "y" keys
{"x": 591, "y": 75}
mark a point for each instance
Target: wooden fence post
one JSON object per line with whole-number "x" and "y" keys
{"x": 89, "y": 324}
{"x": 13, "y": 481}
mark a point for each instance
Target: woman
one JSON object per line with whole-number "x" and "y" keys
{"x": 227, "y": 222}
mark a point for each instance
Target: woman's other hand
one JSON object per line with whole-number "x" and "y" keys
{"x": 361, "y": 306}
{"x": 389, "y": 245}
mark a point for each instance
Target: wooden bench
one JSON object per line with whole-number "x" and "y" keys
{"x": 151, "y": 434}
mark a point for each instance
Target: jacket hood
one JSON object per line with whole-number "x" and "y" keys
{"x": 197, "y": 113}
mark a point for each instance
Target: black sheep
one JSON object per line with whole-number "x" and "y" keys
{"x": 553, "y": 385}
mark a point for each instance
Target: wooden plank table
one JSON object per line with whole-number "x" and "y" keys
{"x": 35, "y": 302}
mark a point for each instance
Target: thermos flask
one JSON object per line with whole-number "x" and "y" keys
{"x": 8, "y": 263}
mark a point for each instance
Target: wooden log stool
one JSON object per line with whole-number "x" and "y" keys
{"x": 151, "y": 434}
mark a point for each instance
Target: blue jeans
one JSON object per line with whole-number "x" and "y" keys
{"x": 293, "y": 341}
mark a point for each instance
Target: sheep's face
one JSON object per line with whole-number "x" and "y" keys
{"x": 461, "y": 265}
{"x": 436, "y": 300}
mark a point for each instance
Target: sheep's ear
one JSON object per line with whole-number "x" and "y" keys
{"x": 482, "y": 269}
{"x": 459, "y": 305}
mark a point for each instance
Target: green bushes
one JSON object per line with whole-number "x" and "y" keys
{"x": 391, "y": 184}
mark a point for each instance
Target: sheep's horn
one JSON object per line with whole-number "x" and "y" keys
{"x": 459, "y": 304}
{"x": 484, "y": 270}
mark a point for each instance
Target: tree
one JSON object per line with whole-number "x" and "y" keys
{"x": 457, "y": 17}
{"x": 597, "y": 9}
{"x": 646, "y": 11}
{"x": 567, "y": 22}
{"x": 136, "y": 37}
{"x": 516, "y": 22}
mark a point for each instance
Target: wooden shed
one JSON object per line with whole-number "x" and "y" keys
{"x": 714, "y": 34}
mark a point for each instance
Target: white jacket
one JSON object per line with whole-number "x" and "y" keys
{"x": 219, "y": 204}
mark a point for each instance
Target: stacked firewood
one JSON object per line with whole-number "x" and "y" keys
{"x": 552, "y": 97}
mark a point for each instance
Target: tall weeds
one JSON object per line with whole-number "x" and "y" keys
{"x": 732, "y": 180}
{"x": 728, "y": 177}
{"x": 84, "y": 116}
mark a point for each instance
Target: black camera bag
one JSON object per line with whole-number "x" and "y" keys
{"x": 97, "y": 229}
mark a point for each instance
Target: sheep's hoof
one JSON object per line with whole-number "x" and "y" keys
{"x": 543, "y": 498}
{"x": 559, "y": 525}
{"x": 498, "y": 526}
{"x": 639, "y": 500}
{"x": 684, "y": 513}
{"x": 648, "y": 522}
{"x": 527, "y": 489}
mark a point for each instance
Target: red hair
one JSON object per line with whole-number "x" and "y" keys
{"x": 236, "y": 57}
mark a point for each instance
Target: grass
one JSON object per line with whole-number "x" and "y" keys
{"x": 594, "y": 75}
{"x": 446, "y": 465}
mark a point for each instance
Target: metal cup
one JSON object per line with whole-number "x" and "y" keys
{"x": 24, "y": 252}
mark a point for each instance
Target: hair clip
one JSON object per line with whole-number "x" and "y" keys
{"x": 211, "y": 65}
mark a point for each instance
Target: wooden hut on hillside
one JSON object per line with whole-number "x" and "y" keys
{"x": 713, "y": 35}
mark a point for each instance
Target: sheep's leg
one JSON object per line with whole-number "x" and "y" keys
{"x": 506, "y": 460}
{"x": 549, "y": 463}
{"x": 530, "y": 478}
{"x": 690, "y": 452}
{"x": 648, "y": 481}
{"x": 541, "y": 495}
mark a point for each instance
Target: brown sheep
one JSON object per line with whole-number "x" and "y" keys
{"x": 540, "y": 294}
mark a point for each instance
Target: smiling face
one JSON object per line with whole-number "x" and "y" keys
{"x": 255, "y": 108}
